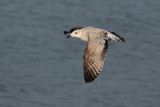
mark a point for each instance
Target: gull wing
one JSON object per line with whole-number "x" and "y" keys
{"x": 94, "y": 57}
{"x": 73, "y": 29}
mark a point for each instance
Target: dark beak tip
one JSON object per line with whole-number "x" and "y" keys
{"x": 68, "y": 36}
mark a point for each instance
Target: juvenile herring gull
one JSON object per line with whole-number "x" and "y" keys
{"x": 96, "y": 49}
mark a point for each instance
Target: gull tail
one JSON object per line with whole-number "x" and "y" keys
{"x": 115, "y": 37}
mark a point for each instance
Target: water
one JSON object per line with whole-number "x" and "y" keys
{"x": 39, "y": 67}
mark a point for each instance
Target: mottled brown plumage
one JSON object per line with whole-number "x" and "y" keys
{"x": 96, "y": 49}
{"x": 94, "y": 56}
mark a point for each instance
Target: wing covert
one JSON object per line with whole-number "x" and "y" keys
{"x": 94, "y": 57}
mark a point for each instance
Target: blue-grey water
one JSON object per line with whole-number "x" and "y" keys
{"x": 39, "y": 67}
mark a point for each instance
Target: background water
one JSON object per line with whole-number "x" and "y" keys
{"x": 39, "y": 67}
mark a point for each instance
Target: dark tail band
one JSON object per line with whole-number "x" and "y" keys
{"x": 122, "y": 39}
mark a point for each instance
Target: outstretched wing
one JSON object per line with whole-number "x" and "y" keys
{"x": 73, "y": 29}
{"x": 94, "y": 57}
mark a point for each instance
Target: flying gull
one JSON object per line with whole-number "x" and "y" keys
{"x": 96, "y": 49}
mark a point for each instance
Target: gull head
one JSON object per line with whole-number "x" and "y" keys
{"x": 76, "y": 33}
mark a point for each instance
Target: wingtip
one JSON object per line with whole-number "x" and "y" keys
{"x": 86, "y": 81}
{"x": 65, "y": 32}
{"x": 88, "y": 78}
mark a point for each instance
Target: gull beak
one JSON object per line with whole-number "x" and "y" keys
{"x": 69, "y": 36}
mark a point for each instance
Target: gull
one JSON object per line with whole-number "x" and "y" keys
{"x": 96, "y": 49}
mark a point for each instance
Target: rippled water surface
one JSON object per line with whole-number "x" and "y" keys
{"x": 39, "y": 67}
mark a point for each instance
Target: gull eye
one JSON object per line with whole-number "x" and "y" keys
{"x": 75, "y": 33}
